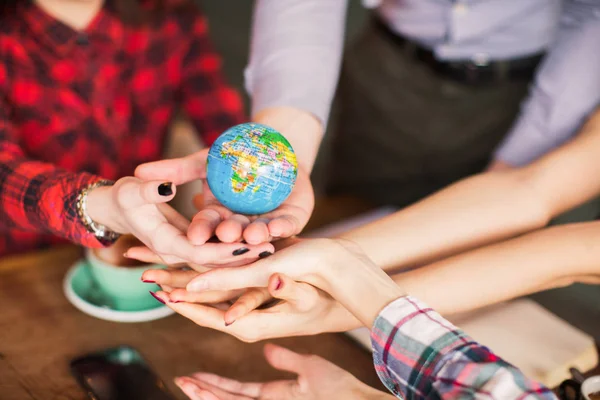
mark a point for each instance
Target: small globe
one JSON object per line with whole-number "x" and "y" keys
{"x": 251, "y": 169}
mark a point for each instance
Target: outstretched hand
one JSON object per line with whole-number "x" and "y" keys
{"x": 317, "y": 379}
{"x": 213, "y": 219}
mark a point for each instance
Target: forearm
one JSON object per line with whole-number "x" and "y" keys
{"x": 488, "y": 207}
{"x": 301, "y": 128}
{"x": 294, "y": 64}
{"x": 41, "y": 197}
{"x": 473, "y": 212}
{"x": 541, "y": 260}
{"x": 359, "y": 285}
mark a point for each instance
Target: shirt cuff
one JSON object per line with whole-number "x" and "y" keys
{"x": 65, "y": 220}
{"x": 409, "y": 341}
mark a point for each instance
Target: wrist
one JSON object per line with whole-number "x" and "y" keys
{"x": 357, "y": 283}
{"x": 301, "y": 128}
{"x": 100, "y": 208}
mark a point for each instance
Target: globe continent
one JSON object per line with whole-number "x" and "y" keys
{"x": 251, "y": 169}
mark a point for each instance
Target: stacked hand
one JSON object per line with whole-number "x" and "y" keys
{"x": 306, "y": 275}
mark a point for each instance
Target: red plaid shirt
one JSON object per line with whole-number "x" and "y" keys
{"x": 76, "y": 107}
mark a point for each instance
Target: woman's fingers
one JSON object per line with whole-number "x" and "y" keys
{"x": 302, "y": 296}
{"x": 177, "y": 220}
{"x": 132, "y": 193}
{"x": 172, "y": 278}
{"x": 195, "y": 390}
{"x": 248, "y": 302}
{"x": 256, "y": 275}
{"x": 206, "y": 391}
{"x": 179, "y": 295}
{"x": 230, "y": 385}
{"x": 285, "y": 226}
{"x": 204, "y": 225}
{"x": 232, "y": 228}
{"x": 177, "y": 170}
{"x": 284, "y": 359}
{"x": 167, "y": 240}
{"x": 144, "y": 254}
{"x": 257, "y": 232}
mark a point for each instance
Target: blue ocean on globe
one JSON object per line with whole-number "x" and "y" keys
{"x": 251, "y": 169}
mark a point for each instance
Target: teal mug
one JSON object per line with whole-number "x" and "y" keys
{"x": 120, "y": 279}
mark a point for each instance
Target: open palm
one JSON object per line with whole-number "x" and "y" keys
{"x": 215, "y": 219}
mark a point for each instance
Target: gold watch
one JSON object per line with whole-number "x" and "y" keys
{"x": 102, "y": 233}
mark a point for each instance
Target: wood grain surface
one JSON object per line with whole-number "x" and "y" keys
{"x": 40, "y": 332}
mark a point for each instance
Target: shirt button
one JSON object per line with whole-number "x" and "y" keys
{"x": 82, "y": 39}
{"x": 481, "y": 59}
{"x": 460, "y": 8}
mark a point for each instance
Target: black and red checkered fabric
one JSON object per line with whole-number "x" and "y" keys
{"x": 76, "y": 107}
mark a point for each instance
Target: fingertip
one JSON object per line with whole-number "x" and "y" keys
{"x": 167, "y": 289}
{"x": 272, "y": 352}
{"x": 229, "y": 231}
{"x": 281, "y": 228}
{"x": 251, "y": 236}
{"x": 234, "y": 313}
{"x": 203, "y": 226}
{"x": 257, "y": 232}
{"x": 177, "y": 296}
{"x": 277, "y": 228}
{"x": 160, "y": 296}
{"x": 147, "y": 277}
{"x": 269, "y": 348}
{"x": 141, "y": 170}
{"x": 198, "y": 234}
{"x": 166, "y": 189}
{"x": 275, "y": 284}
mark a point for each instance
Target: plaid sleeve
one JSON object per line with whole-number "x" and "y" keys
{"x": 420, "y": 355}
{"x": 210, "y": 103}
{"x": 37, "y": 196}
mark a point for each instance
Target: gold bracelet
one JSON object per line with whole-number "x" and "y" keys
{"x": 102, "y": 233}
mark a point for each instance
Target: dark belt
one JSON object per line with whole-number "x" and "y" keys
{"x": 466, "y": 71}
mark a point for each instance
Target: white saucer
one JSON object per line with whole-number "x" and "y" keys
{"x": 79, "y": 274}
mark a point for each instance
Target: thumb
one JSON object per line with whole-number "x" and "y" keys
{"x": 283, "y": 359}
{"x": 176, "y": 170}
{"x": 301, "y": 296}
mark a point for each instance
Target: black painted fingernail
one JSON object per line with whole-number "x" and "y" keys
{"x": 165, "y": 189}
{"x": 156, "y": 297}
{"x": 265, "y": 254}
{"x": 241, "y": 251}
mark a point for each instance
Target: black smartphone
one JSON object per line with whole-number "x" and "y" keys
{"x": 118, "y": 373}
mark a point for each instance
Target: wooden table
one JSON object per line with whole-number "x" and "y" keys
{"x": 40, "y": 332}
